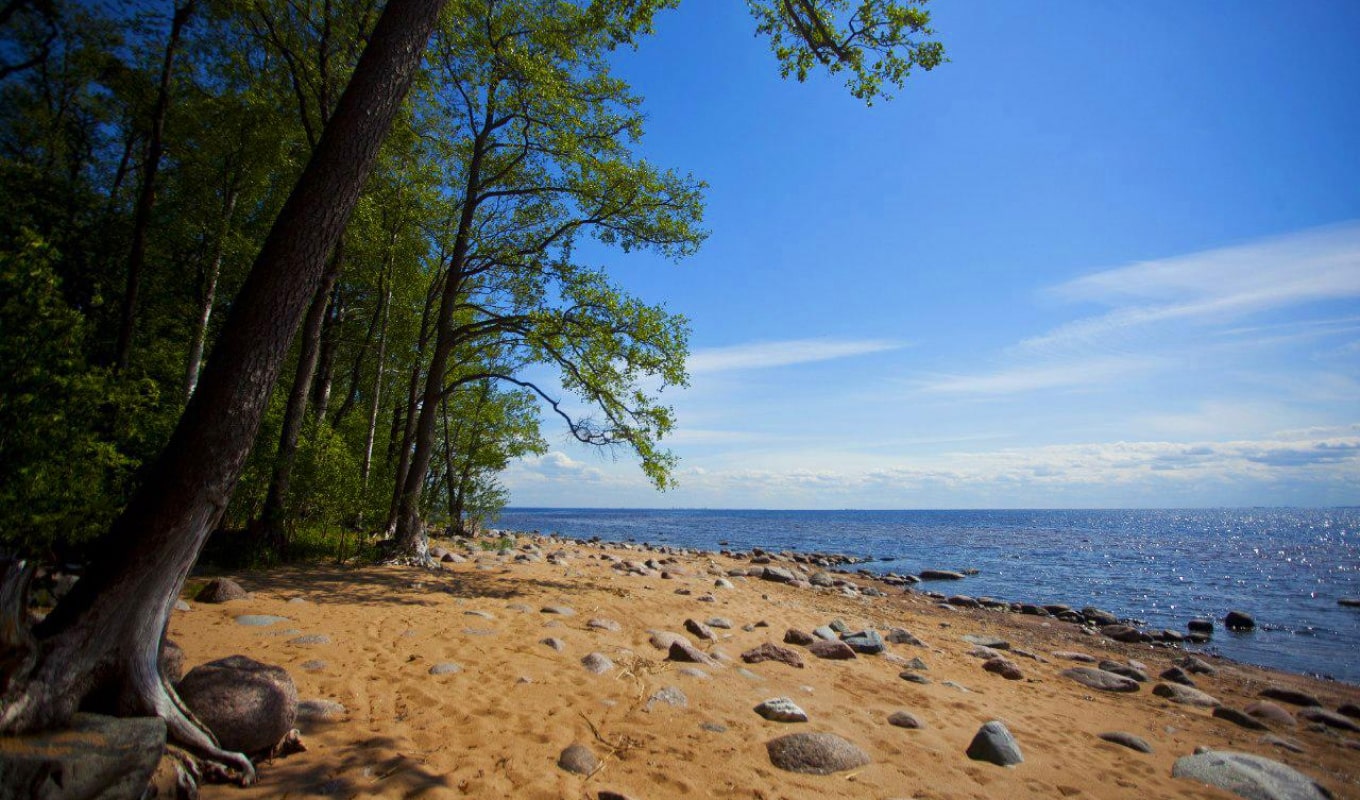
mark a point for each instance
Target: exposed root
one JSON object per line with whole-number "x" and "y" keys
{"x": 188, "y": 732}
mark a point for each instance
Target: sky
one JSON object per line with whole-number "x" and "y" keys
{"x": 1108, "y": 256}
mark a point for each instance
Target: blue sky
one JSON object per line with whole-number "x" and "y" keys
{"x": 1109, "y": 256}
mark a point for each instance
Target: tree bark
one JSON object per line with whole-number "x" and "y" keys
{"x": 330, "y": 348}
{"x": 146, "y": 197}
{"x": 106, "y": 632}
{"x": 376, "y": 401}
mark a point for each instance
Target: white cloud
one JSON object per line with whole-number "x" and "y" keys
{"x": 758, "y": 355}
{"x": 1033, "y": 378}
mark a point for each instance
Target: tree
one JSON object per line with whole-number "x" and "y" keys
{"x": 101, "y": 642}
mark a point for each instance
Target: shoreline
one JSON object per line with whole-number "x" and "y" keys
{"x": 498, "y": 724}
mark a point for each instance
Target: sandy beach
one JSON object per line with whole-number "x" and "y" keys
{"x": 363, "y": 646}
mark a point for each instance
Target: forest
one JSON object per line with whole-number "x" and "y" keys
{"x": 279, "y": 274}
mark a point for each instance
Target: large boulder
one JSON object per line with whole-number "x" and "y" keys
{"x": 247, "y": 705}
{"x": 1249, "y": 776}
{"x": 815, "y": 753}
{"x": 171, "y": 661}
{"x": 108, "y": 758}
{"x": 221, "y": 590}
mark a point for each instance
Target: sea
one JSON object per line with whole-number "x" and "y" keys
{"x": 1287, "y": 567}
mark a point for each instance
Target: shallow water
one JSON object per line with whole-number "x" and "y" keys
{"x": 1285, "y": 567}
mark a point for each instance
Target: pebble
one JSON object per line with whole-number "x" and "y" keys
{"x": 311, "y": 639}
{"x": 913, "y": 677}
{"x": 1284, "y": 742}
{"x": 781, "y": 709}
{"x": 482, "y": 614}
{"x": 700, "y": 630}
{"x": 686, "y": 652}
{"x": 662, "y": 640}
{"x": 1329, "y": 718}
{"x": 795, "y": 636}
{"x": 815, "y": 753}
{"x": 577, "y": 758}
{"x": 1291, "y": 696}
{"x": 446, "y": 668}
{"x": 903, "y": 636}
{"x": 1003, "y": 667}
{"x": 554, "y": 642}
{"x": 1176, "y": 675}
{"x": 1268, "y": 712}
{"x": 1127, "y": 670}
{"x": 259, "y": 620}
{"x": 1240, "y": 718}
{"x": 825, "y": 633}
{"x": 693, "y": 672}
{"x": 597, "y": 663}
{"x": 1127, "y": 740}
{"x": 867, "y": 642}
{"x": 564, "y": 611}
{"x": 1071, "y": 656}
{"x": 180, "y": 605}
{"x": 904, "y": 719}
{"x": 719, "y": 622}
{"x": 313, "y": 665}
{"x": 990, "y": 642}
{"x": 320, "y": 711}
{"x": 1196, "y": 666}
{"x": 602, "y": 624}
{"x": 713, "y": 727}
{"x": 993, "y": 743}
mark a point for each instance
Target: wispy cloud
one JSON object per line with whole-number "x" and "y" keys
{"x": 758, "y": 355}
{"x": 1033, "y": 378}
{"x": 1211, "y": 286}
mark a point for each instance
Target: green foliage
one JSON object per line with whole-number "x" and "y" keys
{"x": 63, "y": 473}
{"x": 875, "y": 42}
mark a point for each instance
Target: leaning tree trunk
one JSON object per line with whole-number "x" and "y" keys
{"x": 105, "y": 634}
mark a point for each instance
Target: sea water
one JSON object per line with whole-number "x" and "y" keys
{"x": 1285, "y": 567}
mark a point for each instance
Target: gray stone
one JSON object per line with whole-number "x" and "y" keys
{"x": 1127, "y": 740}
{"x": 904, "y": 719}
{"x": 1123, "y": 633}
{"x": 1268, "y": 712}
{"x": 685, "y": 652}
{"x": 313, "y": 665}
{"x": 1068, "y": 655}
{"x": 993, "y": 743}
{"x": 108, "y": 758}
{"x": 719, "y": 622}
{"x": 1249, "y": 776}
{"x": 713, "y": 727}
{"x": 313, "y": 712}
{"x": 259, "y": 620}
{"x": 247, "y": 705}
{"x": 693, "y": 672}
{"x": 903, "y": 636}
{"x": 700, "y": 630}
{"x": 1239, "y": 621}
{"x": 795, "y": 636}
{"x": 180, "y": 605}
{"x": 825, "y": 633}
{"x": 602, "y": 624}
{"x": 987, "y": 641}
{"x": 1177, "y": 675}
{"x": 1185, "y": 695}
{"x": 815, "y": 753}
{"x": 940, "y": 575}
{"x": 912, "y": 677}
{"x": 1100, "y": 679}
{"x": 310, "y": 639}
{"x": 597, "y": 663}
{"x": 446, "y": 668}
{"x": 1127, "y": 670}
{"x": 1196, "y": 666}
{"x": 1284, "y": 742}
{"x": 667, "y": 696}
{"x": 662, "y": 640}
{"x": 1292, "y": 696}
{"x": 781, "y": 709}
{"x": 778, "y": 575}
{"x": 577, "y": 758}
{"x": 1329, "y": 718}
{"x": 221, "y": 590}
{"x": 564, "y": 611}
{"x": 1099, "y": 616}
{"x": 171, "y": 661}
{"x": 1240, "y": 718}
{"x": 867, "y": 642}
{"x": 836, "y": 651}
{"x": 480, "y": 614}
{"x": 554, "y": 642}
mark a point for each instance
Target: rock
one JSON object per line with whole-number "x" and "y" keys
{"x": 1003, "y": 667}
{"x": 904, "y": 719}
{"x": 903, "y": 636}
{"x": 835, "y": 651}
{"x": 1123, "y": 633}
{"x": 940, "y": 575}
{"x": 1268, "y": 712}
{"x": 795, "y": 636}
{"x": 772, "y": 652}
{"x": 1071, "y": 656}
{"x": 446, "y": 668}
{"x": 1176, "y": 675}
{"x": 781, "y": 709}
{"x": 667, "y": 696}
{"x": 602, "y": 624}
{"x": 723, "y": 583}
{"x": 1100, "y": 679}
{"x": 554, "y": 642}
{"x": 778, "y": 575}
{"x": 221, "y": 590}
{"x": 1292, "y": 696}
{"x": 1348, "y": 602}
{"x": 577, "y": 758}
{"x": 686, "y": 652}
{"x": 247, "y": 705}
{"x": 719, "y": 622}
{"x": 1200, "y": 626}
{"x": 867, "y": 642}
{"x": 1099, "y": 616}
{"x": 1196, "y": 666}
{"x": 825, "y": 633}
{"x": 1239, "y": 621}
{"x": 995, "y": 744}
{"x": 815, "y": 753}
{"x": 1127, "y": 670}
{"x": 1240, "y": 718}
{"x": 109, "y": 758}
{"x": 1329, "y": 718}
{"x": 309, "y": 639}
{"x": 699, "y": 629}
{"x": 1127, "y": 740}
{"x": 1349, "y": 709}
{"x": 662, "y": 640}
{"x": 912, "y": 677}
{"x": 313, "y": 665}
{"x": 171, "y": 661}
{"x": 597, "y": 663}
{"x": 1248, "y": 776}
{"x": 1185, "y": 695}
{"x": 963, "y": 601}
{"x": 987, "y": 641}
{"x": 1286, "y": 742}
{"x": 605, "y": 794}
{"x": 312, "y": 713}
{"x": 563, "y": 611}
